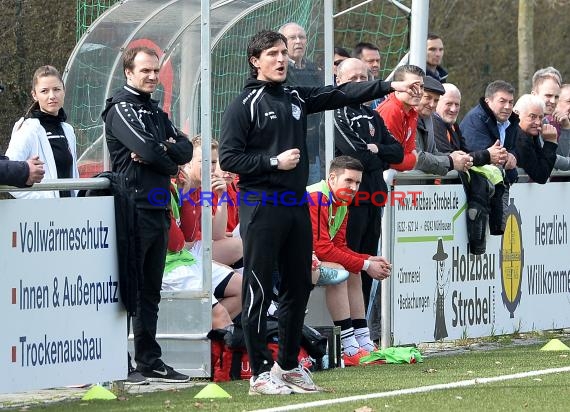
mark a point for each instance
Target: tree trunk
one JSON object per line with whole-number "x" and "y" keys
{"x": 526, "y": 45}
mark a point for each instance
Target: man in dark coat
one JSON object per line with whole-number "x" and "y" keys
{"x": 21, "y": 174}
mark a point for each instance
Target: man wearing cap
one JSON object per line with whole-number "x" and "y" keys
{"x": 431, "y": 160}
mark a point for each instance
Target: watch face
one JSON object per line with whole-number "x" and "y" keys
{"x": 274, "y": 162}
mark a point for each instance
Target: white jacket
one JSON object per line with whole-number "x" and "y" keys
{"x": 28, "y": 139}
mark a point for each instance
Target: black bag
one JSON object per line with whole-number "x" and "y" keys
{"x": 128, "y": 255}
{"x": 498, "y": 209}
{"x": 314, "y": 343}
{"x": 479, "y": 191}
{"x": 311, "y": 340}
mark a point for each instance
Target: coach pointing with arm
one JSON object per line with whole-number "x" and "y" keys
{"x": 263, "y": 139}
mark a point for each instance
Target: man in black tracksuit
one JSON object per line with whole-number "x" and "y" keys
{"x": 361, "y": 133}
{"x": 146, "y": 148}
{"x": 263, "y": 139}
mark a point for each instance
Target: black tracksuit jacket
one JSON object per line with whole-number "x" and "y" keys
{"x": 355, "y": 127}
{"x": 135, "y": 124}
{"x": 267, "y": 119}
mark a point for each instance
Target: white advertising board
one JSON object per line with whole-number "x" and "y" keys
{"x": 62, "y": 319}
{"x": 521, "y": 282}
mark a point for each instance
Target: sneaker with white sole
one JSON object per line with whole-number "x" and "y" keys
{"x": 354, "y": 360}
{"x": 298, "y": 379}
{"x": 265, "y": 384}
{"x": 135, "y": 378}
{"x": 166, "y": 374}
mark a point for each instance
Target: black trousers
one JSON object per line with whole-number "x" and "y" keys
{"x": 153, "y": 228}
{"x": 275, "y": 236}
{"x": 363, "y": 231}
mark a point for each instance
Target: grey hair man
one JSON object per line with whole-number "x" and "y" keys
{"x": 430, "y": 159}
{"x": 535, "y": 157}
{"x": 448, "y": 136}
{"x": 303, "y": 72}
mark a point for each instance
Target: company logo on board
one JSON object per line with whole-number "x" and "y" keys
{"x": 511, "y": 259}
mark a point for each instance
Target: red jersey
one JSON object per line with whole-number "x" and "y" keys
{"x": 175, "y": 237}
{"x": 190, "y": 216}
{"x": 335, "y": 249}
{"x": 191, "y": 212}
{"x": 233, "y": 211}
{"x": 403, "y": 127}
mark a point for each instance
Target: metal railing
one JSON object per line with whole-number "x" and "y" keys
{"x": 62, "y": 184}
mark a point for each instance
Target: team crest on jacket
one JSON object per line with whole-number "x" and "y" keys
{"x": 371, "y": 128}
{"x": 296, "y": 111}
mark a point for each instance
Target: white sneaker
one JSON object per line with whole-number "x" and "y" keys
{"x": 298, "y": 379}
{"x": 265, "y": 384}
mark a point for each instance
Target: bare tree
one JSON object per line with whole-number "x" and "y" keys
{"x": 526, "y": 45}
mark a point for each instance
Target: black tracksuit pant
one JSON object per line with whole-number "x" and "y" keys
{"x": 363, "y": 230}
{"x": 275, "y": 236}
{"x": 153, "y": 228}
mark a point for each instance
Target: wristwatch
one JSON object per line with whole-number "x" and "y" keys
{"x": 274, "y": 162}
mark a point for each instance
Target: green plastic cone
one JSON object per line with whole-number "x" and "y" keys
{"x": 554, "y": 345}
{"x": 212, "y": 391}
{"x": 98, "y": 392}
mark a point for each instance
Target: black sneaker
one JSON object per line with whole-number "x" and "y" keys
{"x": 165, "y": 374}
{"x": 136, "y": 378}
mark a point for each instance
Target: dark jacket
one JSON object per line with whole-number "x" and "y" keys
{"x": 439, "y": 74}
{"x": 430, "y": 159}
{"x": 479, "y": 126}
{"x": 267, "y": 119}
{"x": 448, "y": 138}
{"x": 135, "y": 124}
{"x": 356, "y": 126}
{"x": 128, "y": 256}
{"x": 13, "y": 173}
{"x": 310, "y": 75}
{"x": 537, "y": 160}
